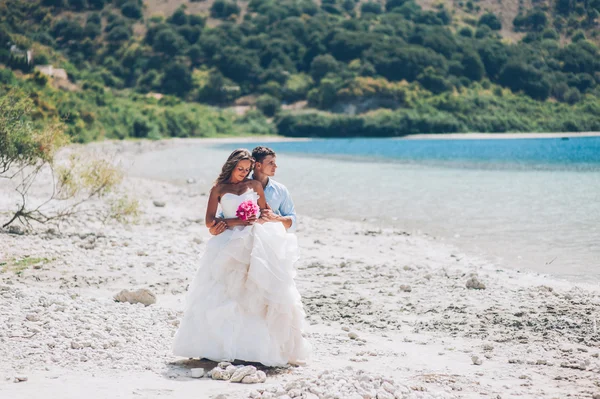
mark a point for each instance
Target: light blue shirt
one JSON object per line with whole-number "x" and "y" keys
{"x": 279, "y": 199}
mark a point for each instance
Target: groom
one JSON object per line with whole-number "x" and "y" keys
{"x": 280, "y": 206}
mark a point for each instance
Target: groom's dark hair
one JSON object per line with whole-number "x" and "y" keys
{"x": 260, "y": 153}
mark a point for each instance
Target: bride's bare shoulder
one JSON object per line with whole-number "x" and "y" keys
{"x": 254, "y": 184}
{"x": 216, "y": 189}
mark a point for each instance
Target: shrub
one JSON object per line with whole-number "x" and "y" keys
{"x": 131, "y": 10}
{"x": 490, "y": 20}
{"x": 224, "y": 9}
{"x": 268, "y": 105}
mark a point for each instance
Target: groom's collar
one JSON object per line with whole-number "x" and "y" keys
{"x": 269, "y": 183}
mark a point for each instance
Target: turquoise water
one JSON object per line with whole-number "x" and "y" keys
{"x": 545, "y": 153}
{"x": 521, "y": 203}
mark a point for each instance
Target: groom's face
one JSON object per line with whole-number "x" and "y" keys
{"x": 268, "y": 166}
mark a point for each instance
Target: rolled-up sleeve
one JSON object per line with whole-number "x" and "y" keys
{"x": 287, "y": 209}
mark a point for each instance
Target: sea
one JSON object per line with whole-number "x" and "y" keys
{"x": 524, "y": 203}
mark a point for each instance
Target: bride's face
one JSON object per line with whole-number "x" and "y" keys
{"x": 241, "y": 170}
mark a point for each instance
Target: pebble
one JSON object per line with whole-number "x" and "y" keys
{"x": 143, "y": 296}
{"x": 474, "y": 284}
{"x": 197, "y": 372}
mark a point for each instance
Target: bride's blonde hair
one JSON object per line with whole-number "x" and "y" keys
{"x": 241, "y": 154}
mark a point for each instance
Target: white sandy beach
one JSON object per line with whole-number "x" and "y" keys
{"x": 403, "y": 298}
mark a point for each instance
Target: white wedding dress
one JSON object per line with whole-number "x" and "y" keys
{"x": 243, "y": 303}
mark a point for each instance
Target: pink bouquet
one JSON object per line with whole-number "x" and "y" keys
{"x": 247, "y": 209}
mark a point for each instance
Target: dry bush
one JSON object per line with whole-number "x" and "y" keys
{"x": 28, "y": 149}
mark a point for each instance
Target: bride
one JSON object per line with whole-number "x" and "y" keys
{"x": 243, "y": 303}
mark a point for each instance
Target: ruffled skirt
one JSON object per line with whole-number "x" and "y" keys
{"x": 243, "y": 303}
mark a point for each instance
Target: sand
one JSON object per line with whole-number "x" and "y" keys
{"x": 401, "y": 314}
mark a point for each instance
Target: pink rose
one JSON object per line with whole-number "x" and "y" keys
{"x": 247, "y": 209}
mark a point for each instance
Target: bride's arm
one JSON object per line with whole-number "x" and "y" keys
{"x": 211, "y": 212}
{"x": 262, "y": 202}
{"x": 211, "y": 208}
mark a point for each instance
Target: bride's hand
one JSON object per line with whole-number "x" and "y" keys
{"x": 217, "y": 228}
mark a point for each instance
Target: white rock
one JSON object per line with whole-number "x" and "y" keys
{"x": 388, "y": 387}
{"x": 220, "y": 374}
{"x": 352, "y": 335}
{"x": 197, "y": 372}
{"x": 239, "y": 374}
{"x": 382, "y": 394}
{"x": 143, "y": 296}
{"x": 262, "y": 376}
{"x": 76, "y": 345}
{"x": 32, "y": 317}
{"x": 474, "y": 284}
{"x": 250, "y": 379}
{"x": 231, "y": 369}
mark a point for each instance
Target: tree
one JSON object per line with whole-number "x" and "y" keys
{"x": 406, "y": 63}
{"x": 131, "y": 10}
{"x": 391, "y": 4}
{"x": 490, "y": 20}
{"x": 370, "y": 7}
{"x": 572, "y": 96}
{"x": 92, "y": 30}
{"x": 521, "y": 77}
{"x": 224, "y": 9}
{"x": 67, "y": 29}
{"x": 322, "y": 65}
{"x": 118, "y": 35}
{"x": 494, "y": 56}
{"x": 218, "y": 89}
{"x": 433, "y": 82}
{"x": 189, "y": 33}
{"x": 466, "y": 32}
{"x": 179, "y": 17}
{"x": 473, "y": 66}
{"x": 97, "y": 4}
{"x": 268, "y": 105}
{"x": 168, "y": 42}
{"x": 564, "y": 6}
{"x": 78, "y": 5}
{"x": 177, "y": 79}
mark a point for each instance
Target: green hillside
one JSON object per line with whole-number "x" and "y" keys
{"x": 327, "y": 68}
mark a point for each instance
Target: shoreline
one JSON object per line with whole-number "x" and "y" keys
{"x": 421, "y": 319}
{"x": 277, "y": 138}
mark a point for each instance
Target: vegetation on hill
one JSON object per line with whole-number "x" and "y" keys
{"x": 369, "y": 67}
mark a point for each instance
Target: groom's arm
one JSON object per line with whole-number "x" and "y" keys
{"x": 288, "y": 212}
{"x": 288, "y": 221}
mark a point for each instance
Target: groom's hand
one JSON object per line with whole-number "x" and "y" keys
{"x": 268, "y": 215}
{"x": 217, "y": 227}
